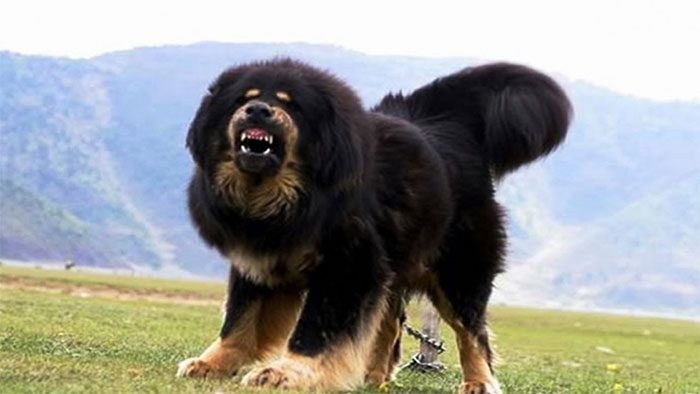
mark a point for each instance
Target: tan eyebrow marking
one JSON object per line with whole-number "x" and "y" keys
{"x": 251, "y": 93}
{"x": 283, "y": 96}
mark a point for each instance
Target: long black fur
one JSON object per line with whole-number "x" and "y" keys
{"x": 515, "y": 114}
{"x": 391, "y": 196}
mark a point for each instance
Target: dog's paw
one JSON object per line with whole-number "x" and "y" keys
{"x": 491, "y": 387}
{"x": 197, "y": 368}
{"x": 376, "y": 378}
{"x": 281, "y": 373}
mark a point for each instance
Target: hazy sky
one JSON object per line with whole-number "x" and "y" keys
{"x": 638, "y": 47}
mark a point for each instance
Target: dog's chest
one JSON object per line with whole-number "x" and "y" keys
{"x": 275, "y": 268}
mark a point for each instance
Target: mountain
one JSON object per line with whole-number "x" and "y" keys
{"x": 54, "y": 163}
{"x": 93, "y": 168}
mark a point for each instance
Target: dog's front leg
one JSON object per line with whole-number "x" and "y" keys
{"x": 257, "y": 324}
{"x": 330, "y": 345}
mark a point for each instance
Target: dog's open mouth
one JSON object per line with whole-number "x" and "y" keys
{"x": 255, "y": 140}
{"x": 259, "y": 151}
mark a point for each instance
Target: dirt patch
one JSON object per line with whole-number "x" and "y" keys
{"x": 104, "y": 291}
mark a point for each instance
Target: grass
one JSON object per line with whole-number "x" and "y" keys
{"x": 77, "y": 342}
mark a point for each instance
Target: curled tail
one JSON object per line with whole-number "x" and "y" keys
{"x": 518, "y": 114}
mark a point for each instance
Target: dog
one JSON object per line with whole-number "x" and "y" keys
{"x": 332, "y": 215}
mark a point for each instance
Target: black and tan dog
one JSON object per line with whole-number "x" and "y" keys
{"x": 331, "y": 215}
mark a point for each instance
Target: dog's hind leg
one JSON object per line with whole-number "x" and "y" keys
{"x": 461, "y": 287}
{"x": 475, "y": 354}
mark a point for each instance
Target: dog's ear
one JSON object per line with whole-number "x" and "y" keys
{"x": 338, "y": 153}
{"x": 195, "y": 136}
{"x": 204, "y": 117}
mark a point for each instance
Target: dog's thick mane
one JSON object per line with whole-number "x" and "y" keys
{"x": 318, "y": 183}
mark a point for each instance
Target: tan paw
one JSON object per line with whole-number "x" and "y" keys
{"x": 197, "y": 368}
{"x": 281, "y": 373}
{"x": 491, "y": 387}
{"x": 376, "y": 378}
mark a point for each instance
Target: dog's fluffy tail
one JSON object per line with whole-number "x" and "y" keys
{"x": 518, "y": 114}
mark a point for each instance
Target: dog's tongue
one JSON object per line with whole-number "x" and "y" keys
{"x": 256, "y": 133}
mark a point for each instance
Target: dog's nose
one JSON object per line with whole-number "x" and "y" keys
{"x": 258, "y": 111}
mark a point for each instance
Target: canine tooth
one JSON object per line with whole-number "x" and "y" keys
{"x": 271, "y": 139}
{"x": 245, "y": 149}
{"x": 267, "y": 151}
{"x": 244, "y": 136}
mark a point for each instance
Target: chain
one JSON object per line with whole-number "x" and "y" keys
{"x": 436, "y": 344}
{"x": 417, "y": 362}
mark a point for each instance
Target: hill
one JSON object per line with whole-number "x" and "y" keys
{"x": 97, "y": 145}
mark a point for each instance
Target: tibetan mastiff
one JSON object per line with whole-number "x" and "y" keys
{"x": 331, "y": 215}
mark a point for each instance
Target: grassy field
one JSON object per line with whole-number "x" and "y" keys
{"x": 79, "y": 332}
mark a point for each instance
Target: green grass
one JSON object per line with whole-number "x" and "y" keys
{"x": 54, "y": 342}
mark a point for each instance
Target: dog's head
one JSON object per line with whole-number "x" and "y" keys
{"x": 266, "y": 130}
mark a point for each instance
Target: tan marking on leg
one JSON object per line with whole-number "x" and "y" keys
{"x": 260, "y": 333}
{"x": 278, "y": 317}
{"x": 381, "y": 364}
{"x": 341, "y": 367}
{"x": 477, "y": 376}
{"x": 475, "y": 368}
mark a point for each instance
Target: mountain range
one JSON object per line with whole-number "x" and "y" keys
{"x": 93, "y": 169}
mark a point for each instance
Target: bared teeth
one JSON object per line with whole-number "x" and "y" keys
{"x": 256, "y": 136}
{"x": 259, "y": 136}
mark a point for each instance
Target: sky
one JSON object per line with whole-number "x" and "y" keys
{"x": 638, "y": 47}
